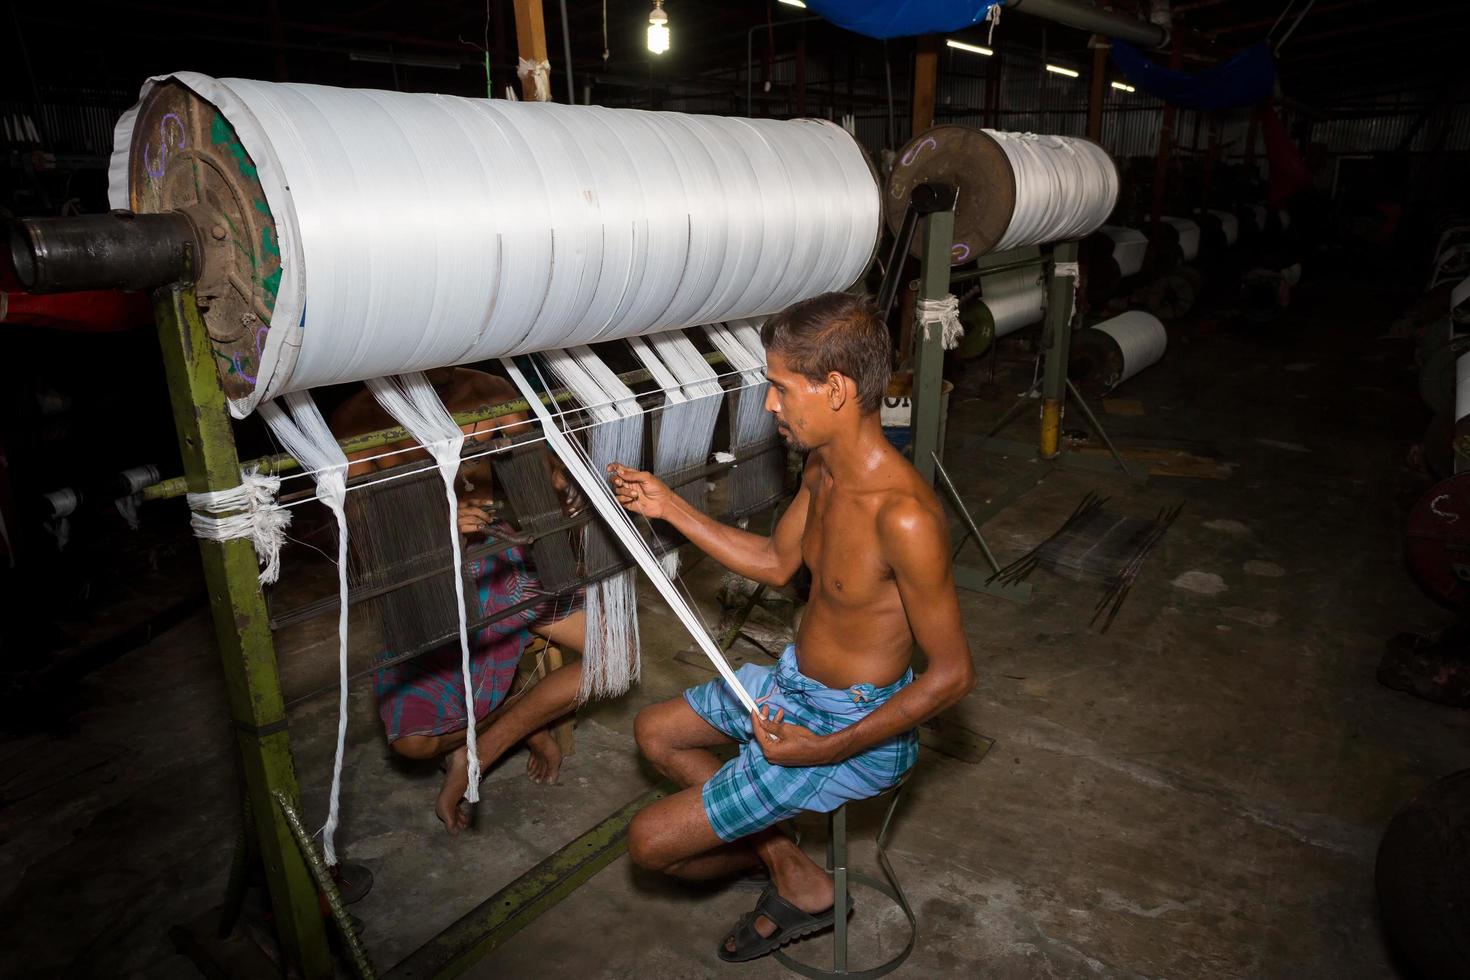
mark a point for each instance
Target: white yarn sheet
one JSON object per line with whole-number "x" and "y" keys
{"x": 432, "y": 230}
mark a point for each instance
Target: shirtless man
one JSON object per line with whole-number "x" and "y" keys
{"x": 839, "y": 710}
{"x": 420, "y": 723}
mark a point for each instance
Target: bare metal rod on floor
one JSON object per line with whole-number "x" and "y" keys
{"x": 1082, "y": 404}
{"x": 954, "y": 495}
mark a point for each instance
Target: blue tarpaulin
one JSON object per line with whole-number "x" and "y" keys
{"x": 902, "y": 18}
{"x": 1247, "y": 79}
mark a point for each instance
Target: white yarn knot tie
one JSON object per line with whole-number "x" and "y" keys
{"x": 540, "y": 71}
{"x": 944, "y": 313}
{"x": 247, "y": 510}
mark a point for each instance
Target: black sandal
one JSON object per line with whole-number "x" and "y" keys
{"x": 791, "y": 923}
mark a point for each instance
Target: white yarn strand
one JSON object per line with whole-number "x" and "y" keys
{"x": 247, "y": 510}
{"x": 414, "y": 403}
{"x": 307, "y": 437}
{"x": 438, "y": 230}
{"x": 1065, "y": 187}
{"x": 595, "y": 486}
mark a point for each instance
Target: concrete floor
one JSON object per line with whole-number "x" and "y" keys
{"x": 1198, "y": 793}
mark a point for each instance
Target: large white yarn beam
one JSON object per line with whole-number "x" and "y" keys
{"x": 424, "y": 230}
{"x": 1130, "y": 248}
{"x": 1065, "y": 187}
{"x": 308, "y": 438}
{"x": 595, "y": 485}
{"x": 1140, "y": 337}
{"x": 1015, "y": 299}
{"x": 1188, "y": 236}
{"x": 414, "y": 403}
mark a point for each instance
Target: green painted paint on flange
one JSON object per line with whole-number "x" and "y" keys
{"x": 222, "y": 132}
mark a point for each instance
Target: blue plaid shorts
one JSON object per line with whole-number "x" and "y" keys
{"x": 749, "y": 794}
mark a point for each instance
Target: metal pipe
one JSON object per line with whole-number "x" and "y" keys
{"x": 750, "y": 57}
{"x": 1108, "y": 24}
{"x": 566, "y": 43}
{"x": 118, "y": 250}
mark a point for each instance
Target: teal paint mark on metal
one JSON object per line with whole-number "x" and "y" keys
{"x": 263, "y": 208}
{"x": 272, "y": 282}
{"x": 221, "y": 132}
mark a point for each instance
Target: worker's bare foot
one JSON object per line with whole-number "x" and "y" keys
{"x": 544, "y": 766}
{"x": 450, "y": 807}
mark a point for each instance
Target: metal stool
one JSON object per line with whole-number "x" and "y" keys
{"x": 841, "y": 876}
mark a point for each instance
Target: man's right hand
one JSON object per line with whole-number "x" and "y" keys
{"x": 640, "y": 492}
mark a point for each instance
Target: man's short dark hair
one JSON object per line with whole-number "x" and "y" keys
{"x": 834, "y": 332}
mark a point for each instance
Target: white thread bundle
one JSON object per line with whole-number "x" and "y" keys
{"x": 414, "y": 403}
{"x": 307, "y": 437}
{"x": 434, "y": 230}
{"x": 1141, "y": 338}
{"x": 750, "y": 423}
{"x": 540, "y": 71}
{"x": 1065, "y": 187}
{"x": 1188, "y": 236}
{"x": 1462, "y": 386}
{"x": 1229, "y": 225}
{"x": 246, "y": 510}
{"x": 611, "y": 656}
{"x": 692, "y": 398}
{"x": 1015, "y": 299}
{"x": 944, "y": 314}
{"x": 1130, "y": 247}
{"x": 595, "y": 485}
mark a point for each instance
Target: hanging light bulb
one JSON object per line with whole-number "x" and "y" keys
{"x": 658, "y": 28}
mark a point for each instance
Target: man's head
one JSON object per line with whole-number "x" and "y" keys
{"x": 828, "y": 361}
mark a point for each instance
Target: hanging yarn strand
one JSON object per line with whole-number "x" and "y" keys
{"x": 595, "y": 485}
{"x": 414, "y": 403}
{"x": 307, "y": 437}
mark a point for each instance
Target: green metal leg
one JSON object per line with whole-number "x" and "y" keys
{"x": 928, "y": 391}
{"x": 242, "y": 635}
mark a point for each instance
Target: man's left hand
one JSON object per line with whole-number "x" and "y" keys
{"x": 791, "y": 745}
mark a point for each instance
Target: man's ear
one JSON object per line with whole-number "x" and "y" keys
{"x": 840, "y": 389}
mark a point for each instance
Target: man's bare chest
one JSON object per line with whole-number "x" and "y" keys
{"x": 840, "y": 548}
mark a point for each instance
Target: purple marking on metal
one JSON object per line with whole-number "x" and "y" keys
{"x": 960, "y": 251}
{"x": 156, "y": 168}
{"x": 908, "y": 157}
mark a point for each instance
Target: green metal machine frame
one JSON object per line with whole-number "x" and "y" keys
{"x": 258, "y": 711}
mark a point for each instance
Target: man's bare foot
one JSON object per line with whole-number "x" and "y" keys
{"x": 450, "y": 807}
{"x": 804, "y": 885}
{"x": 544, "y": 766}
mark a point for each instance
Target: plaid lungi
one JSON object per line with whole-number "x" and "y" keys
{"x": 425, "y": 695}
{"x": 749, "y": 794}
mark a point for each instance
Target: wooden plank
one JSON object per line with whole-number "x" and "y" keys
{"x": 926, "y": 77}
{"x": 530, "y": 42}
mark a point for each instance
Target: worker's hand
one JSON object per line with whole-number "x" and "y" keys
{"x": 475, "y": 515}
{"x": 642, "y": 493}
{"x": 786, "y": 744}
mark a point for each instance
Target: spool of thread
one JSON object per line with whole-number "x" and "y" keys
{"x": 1013, "y": 300}
{"x": 1130, "y": 247}
{"x": 1188, "y": 232}
{"x": 430, "y": 230}
{"x": 1015, "y": 189}
{"x": 1229, "y": 224}
{"x": 1115, "y": 350}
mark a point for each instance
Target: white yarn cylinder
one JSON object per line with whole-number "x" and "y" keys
{"x": 1188, "y": 236}
{"x": 1141, "y": 338}
{"x": 1462, "y": 387}
{"x": 1229, "y": 224}
{"x": 429, "y": 230}
{"x": 1065, "y": 187}
{"x": 1130, "y": 248}
{"x": 1015, "y": 299}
